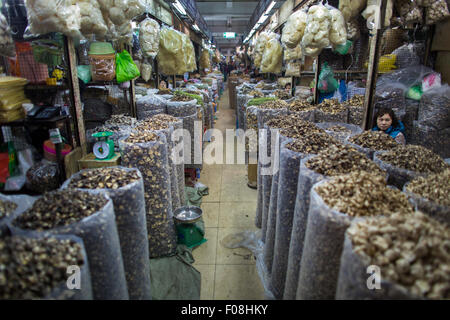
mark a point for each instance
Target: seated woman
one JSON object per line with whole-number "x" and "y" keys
{"x": 387, "y": 122}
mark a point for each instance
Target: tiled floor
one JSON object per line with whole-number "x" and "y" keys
{"x": 230, "y": 207}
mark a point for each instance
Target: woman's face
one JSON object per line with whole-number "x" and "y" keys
{"x": 384, "y": 122}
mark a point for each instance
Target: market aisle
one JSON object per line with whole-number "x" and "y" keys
{"x": 230, "y": 207}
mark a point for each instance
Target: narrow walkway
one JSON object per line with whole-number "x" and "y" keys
{"x": 230, "y": 207}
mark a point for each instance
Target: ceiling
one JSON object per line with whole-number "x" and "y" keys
{"x": 227, "y": 16}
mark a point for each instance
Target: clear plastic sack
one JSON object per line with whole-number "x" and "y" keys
{"x": 171, "y": 59}
{"x": 146, "y": 71}
{"x": 21, "y": 203}
{"x": 261, "y": 42}
{"x": 437, "y": 140}
{"x": 149, "y": 37}
{"x": 145, "y": 114}
{"x": 294, "y": 29}
{"x": 7, "y": 48}
{"x": 151, "y": 102}
{"x": 433, "y": 209}
{"x": 338, "y": 29}
{"x": 43, "y": 177}
{"x": 292, "y": 54}
{"x": 434, "y": 108}
{"x": 46, "y": 16}
{"x": 351, "y": 8}
{"x": 92, "y": 22}
{"x": 151, "y": 159}
{"x": 396, "y": 176}
{"x": 272, "y": 58}
{"x": 129, "y": 211}
{"x": 321, "y": 116}
{"x": 409, "y": 11}
{"x": 287, "y": 193}
{"x": 437, "y": 11}
{"x": 101, "y": 240}
{"x": 340, "y": 131}
{"x": 353, "y": 277}
{"x": 60, "y": 292}
{"x": 406, "y": 56}
{"x": 317, "y": 30}
{"x": 322, "y": 249}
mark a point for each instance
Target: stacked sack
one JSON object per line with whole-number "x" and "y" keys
{"x": 12, "y": 96}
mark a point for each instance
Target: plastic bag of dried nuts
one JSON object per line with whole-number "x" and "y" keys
{"x": 303, "y": 109}
{"x": 147, "y": 152}
{"x": 181, "y": 108}
{"x": 192, "y": 139}
{"x": 269, "y": 224}
{"x": 242, "y": 100}
{"x": 314, "y": 168}
{"x": 404, "y": 163}
{"x": 88, "y": 214}
{"x": 43, "y": 177}
{"x": 411, "y": 253}
{"x": 431, "y": 195}
{"x": 330, "y": 110}
{"x": 437, "y": 140}
{"x": 266, "y": 156}
{"x": 126, "y": 190}
{"x": 151, "y": 102}
{"x": 437, "y": 11}
{"x": 145, "y": 114}
{"x": 161, "y": 126}
{"x": 289, "y": 164}
{"x": 44, "y": 272}
{"x": 340, "y": 131}
{"x": 434, "y": 108}
{"x": 333, "y": 205}
{"x": 176, "y": 155}
{"x": 12, "y": 206}
{"x": 368, "y": 142}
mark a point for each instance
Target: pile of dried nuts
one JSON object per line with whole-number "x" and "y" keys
{"x": 435, "y": 187}
{"x": 356, "y": 101}
{"x": 361, "y": 193}
{"x": 310, "y": 142}
{"x": 6, "y": 208}
{"x": 165, "y": 117}
{"x": 339, "y": 128}
{"x": 152, "y": 124}
{"x": 412, "y": 251}
{"x": 60, "y": 208}
{"x": 341, "y": 159}
{"x": 273, "y": 104}
{"x": 142, "y": 137}
{"x": 331, "y": 106}
{"x": 375, "y": 140}
{"x": 104, "y": 178}
{"x": 256, "y": 93}
{"x": 414, "y": 158}
{"x": 301, "y": 105}
{"x": 33, "y": 268}
{"x": 164, "y": 91}
{"x": 180, "y": 97}
{"x": 121, "y": 119}
{"x": 283, "y": 95}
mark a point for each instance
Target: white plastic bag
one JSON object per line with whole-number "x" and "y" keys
{"x": 149, "y": 37}
{"x": 294, "y": 29}
{"x": 92, "y": 21}
{"x": 273, "y": 56}
{"x": 338, "y": 31}
{"x": 351, "y": 8}
{"x": 317, "y": 30}
{"x": 45, "y": 16}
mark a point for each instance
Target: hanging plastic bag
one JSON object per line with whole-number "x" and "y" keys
{"x": 7, "y": 47}
{"x": 126, "y": 69}
{"x": 46, "y": 16}
{"x": 146, "y": 71}
{"x": 149, "y": 37}
{"x": 294, "y": 29}
{"x": 327, "y": 82}
{"x": 273, "y": 56}
{"x": 338, "y": 29}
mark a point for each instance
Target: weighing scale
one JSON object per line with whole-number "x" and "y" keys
{"x": 188, "y": 232}
{"x": 104, "y": 147}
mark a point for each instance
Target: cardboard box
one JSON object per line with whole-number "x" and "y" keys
{"x": 89, "y": 162}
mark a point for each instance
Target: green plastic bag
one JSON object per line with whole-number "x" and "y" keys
{"x": 84, "y": 73}
{"x": 327, "y": 82}
{"x": 343, "y": 49}
{"x": 126, "y": 69}
{"x": 415, "y": 93}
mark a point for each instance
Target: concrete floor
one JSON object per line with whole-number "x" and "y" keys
{"x": 230, "y": 207}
